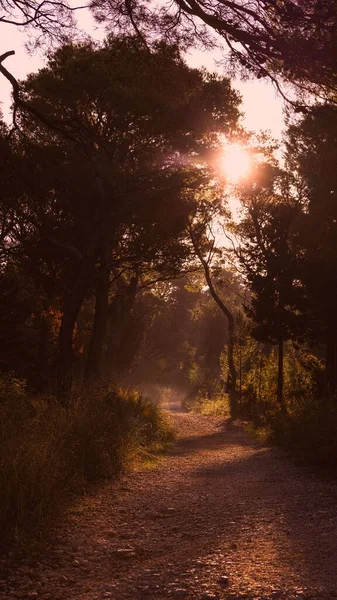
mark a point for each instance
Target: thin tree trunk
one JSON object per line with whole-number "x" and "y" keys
{"x": 94, "y": 359}
{"x": 280, "y": 371}
{"x": 232, "y": 375}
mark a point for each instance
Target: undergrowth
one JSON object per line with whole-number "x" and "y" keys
{"x": 308, "y": 427}
{"x": 215, "y": 406}
{"x": 48, "y": 452}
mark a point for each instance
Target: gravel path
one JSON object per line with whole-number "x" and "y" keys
{"x": 218, "y": 517}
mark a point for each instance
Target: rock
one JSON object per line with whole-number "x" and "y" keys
{"x": 223, "y": 581}
{"x": 209, "y": 596}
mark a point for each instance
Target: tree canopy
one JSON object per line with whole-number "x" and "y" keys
{"x": 285, "y": 40}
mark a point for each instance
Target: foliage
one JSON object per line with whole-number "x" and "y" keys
{"x": 119, "y": 137}
{"x": 269, "y": 211}
{"x": 309, "y": 430}
{"x": 47, "y": 452}
{"x": 312, "y": 152}
{"x": 217, "y": 405}
{"x": 280, "y": 37}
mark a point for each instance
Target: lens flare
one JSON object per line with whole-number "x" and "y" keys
{"x": 236, "y": 162}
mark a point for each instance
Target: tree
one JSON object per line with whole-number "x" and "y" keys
{"x": 121, "y": 137}
{"x": 203, "y": 243}
{"x": 269, "y": 262}
{"x": 312, "y": 152}
{"x": 199, "y": 248}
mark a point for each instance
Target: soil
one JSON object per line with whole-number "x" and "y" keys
{"x": 219, "y": 516}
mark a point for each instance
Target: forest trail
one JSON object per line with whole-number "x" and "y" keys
{"x": 219, "y": 517}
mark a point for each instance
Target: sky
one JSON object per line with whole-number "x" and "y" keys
{"x": 260, "y": 103}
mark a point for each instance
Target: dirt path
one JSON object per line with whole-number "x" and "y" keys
{"x": 219, "y": 517}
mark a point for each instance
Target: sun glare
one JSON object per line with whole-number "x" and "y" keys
{"x": 236, "y": 162}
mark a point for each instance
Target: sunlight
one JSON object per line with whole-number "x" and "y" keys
{"x": 236, "y": 162}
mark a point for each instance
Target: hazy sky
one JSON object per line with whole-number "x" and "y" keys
{"x": 262, "y": 107}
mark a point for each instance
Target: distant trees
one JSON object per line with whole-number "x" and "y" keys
{"x": 184, "y": 337}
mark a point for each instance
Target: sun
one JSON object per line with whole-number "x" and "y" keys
{"x": 236, "y": 162}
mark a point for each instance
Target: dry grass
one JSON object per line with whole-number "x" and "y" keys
{"x": 47, "y": 451}
{"x": 215, "y": 406}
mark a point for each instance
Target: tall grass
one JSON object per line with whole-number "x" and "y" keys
{"x": 47, "y": 451}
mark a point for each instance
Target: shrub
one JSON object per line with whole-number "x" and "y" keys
{"x": 309, "y": 428}
{"x": 47, "y": 451}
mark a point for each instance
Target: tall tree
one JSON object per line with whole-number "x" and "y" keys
{"x": 268, "y": 259}
{"x": 312, "y": 152}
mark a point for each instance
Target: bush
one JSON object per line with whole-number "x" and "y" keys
{"x": 309, "y": 427}
{"x": 214, "y": 406}
{"x": 47, "y": 451}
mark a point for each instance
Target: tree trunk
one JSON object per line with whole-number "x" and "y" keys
{"x": 280, "y": 371}
{"x": 232, "y": 375}
{"x": 120, "y": 312}
{"x": 72, "y": 307}
{"x": 94, "y": 359}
